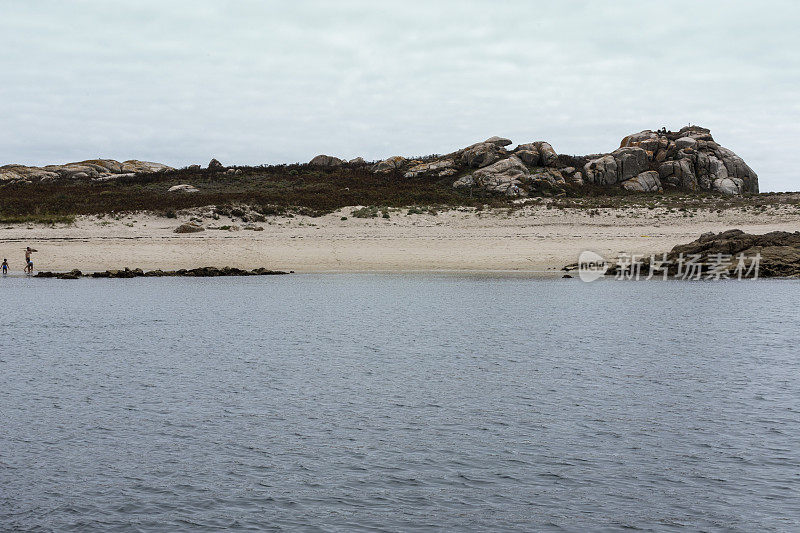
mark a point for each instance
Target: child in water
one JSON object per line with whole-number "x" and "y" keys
{"x": 5, "y": 266}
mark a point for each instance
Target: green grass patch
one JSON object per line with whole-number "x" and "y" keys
{"x": 36, "y": 219}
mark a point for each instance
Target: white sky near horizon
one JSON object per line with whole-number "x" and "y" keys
{"x": 253, "y": 82}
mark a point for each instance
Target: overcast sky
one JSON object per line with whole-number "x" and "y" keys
{"x": 252, "y": 82}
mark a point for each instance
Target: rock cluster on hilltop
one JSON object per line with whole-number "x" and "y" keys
{"x": 648, "y": 161}
{"x": 689, "y": 159}
{"x": 488, "y": 166}
{"x": 329, "y": 161}
{"x": 93, "y": 169}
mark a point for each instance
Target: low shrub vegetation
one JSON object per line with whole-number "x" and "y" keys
{"x": 284, "y": 190}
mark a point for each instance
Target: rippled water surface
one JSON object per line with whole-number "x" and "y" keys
{"x": 377, "y": 402}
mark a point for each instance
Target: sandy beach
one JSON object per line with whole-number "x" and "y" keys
{"x": 530, "y": 239}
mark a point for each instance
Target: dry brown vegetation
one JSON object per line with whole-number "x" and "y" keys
{"x": 307, "y": 190}
{"x": 271, "y": 190}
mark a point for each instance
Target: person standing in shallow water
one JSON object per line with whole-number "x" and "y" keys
{"x": 5, "y": 266}
{"x": 28, "y": 262}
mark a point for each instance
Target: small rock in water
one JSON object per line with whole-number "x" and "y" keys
{"x": 128, "y": 273}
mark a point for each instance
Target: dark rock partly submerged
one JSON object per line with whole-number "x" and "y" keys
{"x": 779, "y": 250}
{"x": 72, "y": 274}
{"x": 202, "y": 272}
{"x": 778, "y": 254}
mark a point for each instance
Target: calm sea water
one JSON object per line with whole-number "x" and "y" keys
{"x": 399, "y": 403}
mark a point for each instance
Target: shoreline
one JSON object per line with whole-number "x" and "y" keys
{"x": 532, "y": 240}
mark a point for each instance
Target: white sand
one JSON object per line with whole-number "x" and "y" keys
{"x": 533, "y": 239}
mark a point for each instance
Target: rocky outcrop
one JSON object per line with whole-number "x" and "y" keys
{"x": 602, "y": 171}
{"x": 93, "y": 169}
{"x": 538, "y": 153}
{"x": 481, "y": 154}
{"x": 488, "y": 167}
{"x": 503, "y": 177}
{"x": 550, "y": 175}
{"x": 679, "y": 174}
{"x": 438, "y": 168}
{"x": 389, "y": 165}
{"x": 617, "y": 167}
{"x": 644, "y": 182}
{"x": 690, "y": 159}
{"x": 326, "y": 161}
{"x": 572, "y": 176}
{"x": 646, "y": 162}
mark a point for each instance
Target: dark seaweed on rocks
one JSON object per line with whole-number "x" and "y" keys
{"x": 202, "y": 272}
{"x": 779, "y": 253}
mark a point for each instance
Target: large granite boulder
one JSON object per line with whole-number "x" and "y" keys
{"x": 630, "y": 162}
{"x": 481, "y": 154}
{"x": 548, "y": 182}
{"x": 572, "y": 176}
{"x": 326, "y": 161}
{"x": 602, "y": 171}
{"x": 21, "y": 173}
{"x": 539, "y": 153}
{"x": 133, "y": 166}
{"x": 438, "y": 168}
{"x": 679, "y": 173}
{"x": 644, "y": 182}
{"x": 93, "y": 169}
{"x": 503, "y": 177}
{"x": 499, "y": 141}
{"x": 620, "y": 165}
{"x": 550, "y": 175}
{"x": 389, "y": 165}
